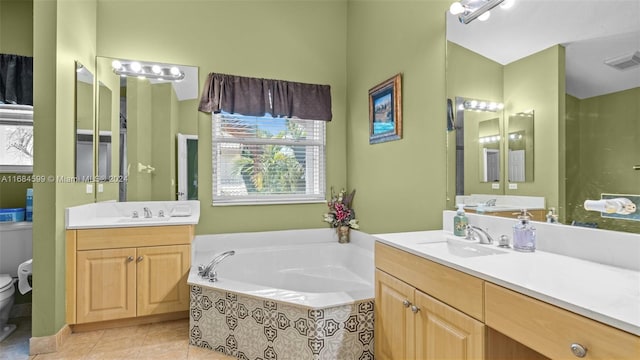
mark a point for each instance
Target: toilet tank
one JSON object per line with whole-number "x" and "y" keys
{"x": 15, "y": 245}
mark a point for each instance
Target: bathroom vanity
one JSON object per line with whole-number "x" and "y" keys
{"x": 442, "y": 297}
{"x": 123, "y": 270}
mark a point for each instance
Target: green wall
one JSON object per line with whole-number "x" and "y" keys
{"x": 109, "y": 120}
{"x": 301, "y": 41}
{"x": 537, "y": 82}
{"x": 16, "y": 27}
{"x": 602, "y": 146}
{"x": 164, "y": 113}
{"x": 63, "y": 31}
{"x": 400, "y": 184}
{"x": 84, "y": 106}
{"x": 139, "y": 125}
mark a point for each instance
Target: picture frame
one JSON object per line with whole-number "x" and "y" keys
{"x": 385, "y": 110}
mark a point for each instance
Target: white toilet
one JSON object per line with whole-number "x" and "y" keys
{"x": 15, "y": 248}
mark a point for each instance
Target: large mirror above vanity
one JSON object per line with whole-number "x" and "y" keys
{"x": 569, "y": 130}
{"x": 145, "y": 110}
{"x": 84, "y": 123}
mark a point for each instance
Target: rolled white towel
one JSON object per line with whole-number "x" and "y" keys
{"x": 24, "y": 270}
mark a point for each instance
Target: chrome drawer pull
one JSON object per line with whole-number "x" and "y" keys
{"x": 415, "y": 309}
{"x": 139, "y": 258}
{"x": 578, "y": 350}
{"x": 130, "y": 259}
{"x": 406, "y": 303}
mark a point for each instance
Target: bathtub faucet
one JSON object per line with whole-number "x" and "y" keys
{"x": 209, "y": 271}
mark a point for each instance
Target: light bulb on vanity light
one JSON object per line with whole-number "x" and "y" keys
{"x": 507, "y": 4}
{"x": 156, "y": 69}
{"x": 116, "y": 64}
{"x": 456, "y": 8}
{"x": 135, "y": 66}
{"x": 175, "y": 71}
{"x": 485, "y": 16}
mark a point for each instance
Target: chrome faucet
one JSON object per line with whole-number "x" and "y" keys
{"x": 491, "y": 202}
{"x": 475, "y": 232}
{"x": 147, "y": 212}
{"x": 209, "y": 271}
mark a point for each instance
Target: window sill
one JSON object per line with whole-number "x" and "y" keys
{"x": 267, "y": 202}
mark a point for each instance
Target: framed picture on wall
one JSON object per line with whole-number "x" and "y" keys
{"x": 385, "y": 111}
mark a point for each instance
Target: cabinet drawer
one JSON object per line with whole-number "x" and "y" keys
{"x": 455, "y": 288}
{"x": 551, "y": 330}
{"x": 95, "y": 239}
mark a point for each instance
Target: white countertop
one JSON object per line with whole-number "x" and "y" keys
{"x": 111, "y": 214}
{"x": 600, "y": 292}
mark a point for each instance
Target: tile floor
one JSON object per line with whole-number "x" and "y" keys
{"x": 167, "y": 340}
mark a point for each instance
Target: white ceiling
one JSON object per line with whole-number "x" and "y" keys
{"x": 592, "y": 31}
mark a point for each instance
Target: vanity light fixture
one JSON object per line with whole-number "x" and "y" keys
{"x": 481, "y": 105}
{"x": 147, "y": 70}
{"x": 469, "y": 10}
{"x": 489, "y": 139}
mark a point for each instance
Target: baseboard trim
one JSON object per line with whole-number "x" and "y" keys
{"x": 49, "y": 344}
{"x": 110, "y": 324}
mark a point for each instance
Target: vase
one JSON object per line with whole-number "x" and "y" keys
{"x": 343, "y": 234}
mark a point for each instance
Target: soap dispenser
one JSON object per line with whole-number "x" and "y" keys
{"x": 524, "y": 234}
{"x": 460, "y": 222}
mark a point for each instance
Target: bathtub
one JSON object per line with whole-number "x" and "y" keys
{"x": 295, "y": 294}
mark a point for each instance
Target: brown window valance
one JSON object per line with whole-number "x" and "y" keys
{"x": 257, "y": 97}
{"x": 16, "y": 79}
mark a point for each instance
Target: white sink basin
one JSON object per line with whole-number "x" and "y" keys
{"x": 464, "y": 248}
{"x": 143, "y": 220}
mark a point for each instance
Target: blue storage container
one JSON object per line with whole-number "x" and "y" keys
{"x": 29, "y": 213}
{"x": 10, "y": 215}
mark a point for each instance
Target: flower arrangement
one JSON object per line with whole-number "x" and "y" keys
{"x": 340, "y": 211}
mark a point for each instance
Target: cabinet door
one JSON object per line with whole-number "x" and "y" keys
{"x": 162, "y": 279}
{"x": 443, "y": 332}
{"x": 106, "y": 281}
{"x": 394, "y": 325}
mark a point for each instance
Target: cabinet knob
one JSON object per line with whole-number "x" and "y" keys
{"x": 139, "y": 258}
{"x": 578, "y": 350}
{"x": 414, "y": 309}
{"x": 406, "y": 303}
{"x": 130, "y": 259}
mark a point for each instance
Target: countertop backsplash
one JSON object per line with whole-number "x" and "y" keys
{"x": 613, "y": 248}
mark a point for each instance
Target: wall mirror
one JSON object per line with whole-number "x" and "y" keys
{"x": 104, "y": 133}
{"x": 569, "y": 64}
{"x": 143, "y": 107}
{"x": 489, "y": 140}
{"x": 479, "y": 146}
{"x": 84, "y": 123}
{"x": 520, "y": 148}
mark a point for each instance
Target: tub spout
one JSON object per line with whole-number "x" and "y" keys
{"x": 209, "y": 271}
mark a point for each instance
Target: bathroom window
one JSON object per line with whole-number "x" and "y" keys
{"x": 267, "y": 160}
{"x": 16, "y": 139}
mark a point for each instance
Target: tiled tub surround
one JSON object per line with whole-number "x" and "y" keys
{"x": 250, "y": 328}
{"x": 285, "y": 295}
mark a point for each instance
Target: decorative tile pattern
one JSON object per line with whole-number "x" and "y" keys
{"x": 253, "y": 329}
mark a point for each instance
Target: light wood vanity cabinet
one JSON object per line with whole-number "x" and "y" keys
{"x": 121, "y": 273}
{"x": 413, "y": 325}
{"x": 552, "y": 331}
{"x": 447, "y": 324}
